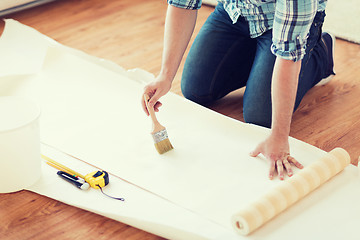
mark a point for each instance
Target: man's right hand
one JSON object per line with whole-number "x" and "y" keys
{"x": 155, "y": 90}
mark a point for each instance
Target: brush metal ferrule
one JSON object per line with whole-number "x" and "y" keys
{"x": 160, "y": 136}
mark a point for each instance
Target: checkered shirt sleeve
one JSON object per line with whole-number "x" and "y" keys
{"x": 292, "y": 23}
{"x": 187, "y": 4}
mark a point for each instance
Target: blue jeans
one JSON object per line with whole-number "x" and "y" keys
{"x": 224, "y": 58}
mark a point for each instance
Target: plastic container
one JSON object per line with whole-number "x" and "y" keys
{"x": 20, "y": 158}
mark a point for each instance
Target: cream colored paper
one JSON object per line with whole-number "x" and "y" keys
{"x": 140, "y": 209}
{"x": 91, "y": 109}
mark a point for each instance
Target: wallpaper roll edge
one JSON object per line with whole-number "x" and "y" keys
{"x": 290, "y": 191}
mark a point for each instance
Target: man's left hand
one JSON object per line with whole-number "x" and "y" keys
{"x": 277, "y": 151}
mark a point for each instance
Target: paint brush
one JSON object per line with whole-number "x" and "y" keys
{"x": 159, "y": 133}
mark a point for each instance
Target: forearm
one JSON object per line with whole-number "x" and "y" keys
{"x": 284, "y": 88}
{"x": 179, "y": 26}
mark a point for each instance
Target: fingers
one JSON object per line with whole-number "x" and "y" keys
{"x": 154, "y": 94}
{"x": 278, "y": 156}
{"x": 157, "y": 105}
{"x": 152, "y": 101}
{"x": 143, "y": 104}
{"x": 272, "y": 170}
{"x": 280, "y": 169}
{"x": 296, "y": 163}
{"x": 256, "y": 152}
{"x": 288, "y": 167}
{"x": 280, "y": 165}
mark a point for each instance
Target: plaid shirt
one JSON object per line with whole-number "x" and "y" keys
{"x": 290, "y": 20}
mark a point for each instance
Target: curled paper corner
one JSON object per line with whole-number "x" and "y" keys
{"x": 12, "y": 23}
{"x": 18, "y": 58}
{"x": 140, "y": 75}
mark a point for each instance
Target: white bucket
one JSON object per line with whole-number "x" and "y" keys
{"x": 20, "y": 159}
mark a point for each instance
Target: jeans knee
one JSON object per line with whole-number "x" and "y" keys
{"x": 194, "y": 93}
{"x": 258, "y": 117}
{"x": 185, "y": 90}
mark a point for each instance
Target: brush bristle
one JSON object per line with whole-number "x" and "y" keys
{"x": 163, "y": 146}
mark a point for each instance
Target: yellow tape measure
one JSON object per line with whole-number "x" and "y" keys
{"x": 97, "y": 179}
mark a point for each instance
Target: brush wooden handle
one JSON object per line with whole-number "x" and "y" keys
{"x": 156, "y": 125}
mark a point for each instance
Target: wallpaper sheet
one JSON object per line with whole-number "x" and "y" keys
{"x": 91, "y": 110}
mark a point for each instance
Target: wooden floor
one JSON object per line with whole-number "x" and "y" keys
{"x": 130, "y": 33}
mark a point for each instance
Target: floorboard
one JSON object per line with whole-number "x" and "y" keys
{"x": 130, "y": 33}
